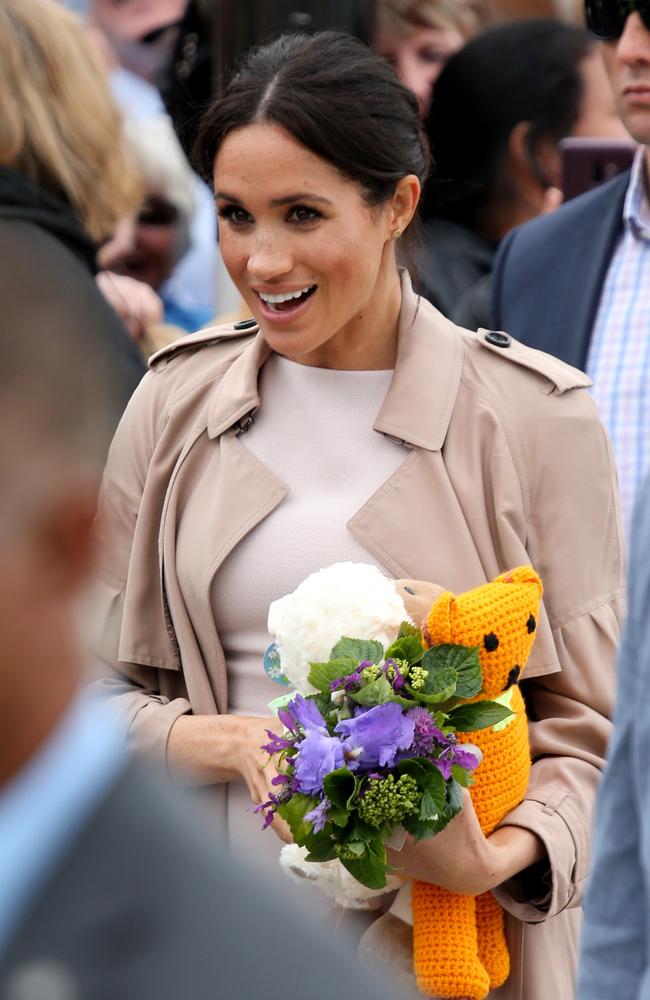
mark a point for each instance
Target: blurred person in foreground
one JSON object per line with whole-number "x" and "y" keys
{"x": 615, "y": 948}
{"x": 64, "y": 177}
{"x": 110, "y": 889}
{"x": 417, "y": 37}
{"x": 349, "y": 420}
{"x": 502, "y": 104}
{"x": 577, "y": 283}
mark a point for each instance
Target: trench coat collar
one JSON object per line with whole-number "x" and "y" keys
{"x": 420, "y": 400}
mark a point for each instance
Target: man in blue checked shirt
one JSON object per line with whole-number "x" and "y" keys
{"x": 576, "y": 283}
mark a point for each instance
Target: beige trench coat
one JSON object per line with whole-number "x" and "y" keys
{"x": 505, "y": 462}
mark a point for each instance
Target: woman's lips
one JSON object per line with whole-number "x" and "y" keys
{"x": 288, "y": 313}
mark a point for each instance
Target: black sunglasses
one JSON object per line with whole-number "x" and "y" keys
{"x": 606, "y": 18}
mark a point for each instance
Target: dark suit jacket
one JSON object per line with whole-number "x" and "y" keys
{"x": 146, "y": 906}
{"x": 549, "y": 273}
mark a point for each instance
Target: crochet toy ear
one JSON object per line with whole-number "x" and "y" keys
{"x": 437, "y": 627}
{"x": 522, "y": 574}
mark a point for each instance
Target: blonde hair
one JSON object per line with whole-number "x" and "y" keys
{"x": 403, "y": 17}
{"x": 59, "y": 124}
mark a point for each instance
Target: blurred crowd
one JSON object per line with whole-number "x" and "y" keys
{"x": 109, "y": 253}
{"x": 149, "y": 67}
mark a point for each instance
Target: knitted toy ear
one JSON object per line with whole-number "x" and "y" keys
{"x": 522, "y": 574}
{"x": 437, "y": 627}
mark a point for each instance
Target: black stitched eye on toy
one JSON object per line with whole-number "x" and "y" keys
{"x": 531, "y": 624}
{"x": 490, "y": 642}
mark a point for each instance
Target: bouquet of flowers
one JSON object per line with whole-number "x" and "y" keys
{"x": 370, "y": 737}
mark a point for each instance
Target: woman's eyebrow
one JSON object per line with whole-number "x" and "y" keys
{"x": 289, "y": 199}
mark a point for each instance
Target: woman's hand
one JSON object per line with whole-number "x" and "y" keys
{"x": 462, "y": 860}
{"x": 256, "y": 767}
{"x": 212, "y": 749}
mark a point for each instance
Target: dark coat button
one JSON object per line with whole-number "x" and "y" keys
{"x": 245, "y": 324}
{"x": 498, "y": 339}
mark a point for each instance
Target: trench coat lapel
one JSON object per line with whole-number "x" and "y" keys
{"x": 417, "y": 411}
{"x": 222, "y": 487}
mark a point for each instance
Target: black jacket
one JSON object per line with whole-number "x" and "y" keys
{"x": 47, "y": 276}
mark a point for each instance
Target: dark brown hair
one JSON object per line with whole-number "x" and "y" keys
{"x": 333, "y": 95}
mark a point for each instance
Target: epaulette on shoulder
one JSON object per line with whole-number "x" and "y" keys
{"x": 203, "y": 338}
{"x": 561, "y": 375}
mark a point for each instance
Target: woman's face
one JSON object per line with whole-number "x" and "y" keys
{"x": 418, "y": 58}
{"x": 305, "y": 250}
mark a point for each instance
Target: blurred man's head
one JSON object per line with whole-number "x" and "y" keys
{"x": 624, "y": 26}
{"x": 57, "y": 409}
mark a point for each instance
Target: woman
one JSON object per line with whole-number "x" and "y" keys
{"x": 350, "y": 420}
{"x": 418, "y": 36}
{"x": 502, "y": 106}
{"x": 65, "y": 179}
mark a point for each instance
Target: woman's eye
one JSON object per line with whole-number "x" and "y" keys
{"x": 301, "y": 214}
{"x": 431, "y": 56}
{"x": 235, "y": 216}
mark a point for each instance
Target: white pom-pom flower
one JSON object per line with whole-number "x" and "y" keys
{"x": 333, "y": 879}
{"x": 346, "y": 599}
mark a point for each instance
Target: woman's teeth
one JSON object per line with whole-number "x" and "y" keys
{"x": 280, "y": 300}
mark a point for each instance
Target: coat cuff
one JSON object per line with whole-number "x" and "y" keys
{"x": 152, "y": 725}
{"x": 547, "y": 888}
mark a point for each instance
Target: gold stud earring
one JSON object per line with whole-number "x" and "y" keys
{"x": 396, "y": 234}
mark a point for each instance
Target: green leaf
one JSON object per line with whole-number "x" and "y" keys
{"x": 419, "y": 829}
{"x": 340, "y": 787}
{"x": 339, "y": 815}
{"x": 406, "y": 647}
{"x": 455, "y": 798}
{"x": 321, "y": 675}
{"x": 465, "y": 661}
{"x": 321, "y": 847}
{"x": 370, "y": 868}
{"x": 462, "y": 776}
{"x": 438, "y": 686}
{"x": 404, "y": 702}
{"x": 429, "y": 809}
{"x": 294, "y": 811}
{"x": 478, "y": 715}
{"x": 408, "y": 629}
{"x": 358, "y": 650}
{"x": 376, "y": 693}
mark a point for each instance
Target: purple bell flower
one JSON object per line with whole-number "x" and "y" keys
{"x": 374, "y": 738}
{"x": 306, "y": 714}
{"x": 318, "y": 755}
{"x": 318, "y": 816}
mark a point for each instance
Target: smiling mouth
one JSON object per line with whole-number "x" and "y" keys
{"x": 285, "y": 302}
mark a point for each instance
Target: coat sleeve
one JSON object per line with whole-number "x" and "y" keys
{"x": 575, "y": 543}
{"x": 133, "y": 690}
{"x": 614, "y": 942}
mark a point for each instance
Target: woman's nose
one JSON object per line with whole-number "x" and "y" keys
{"x": 269, "y": 264}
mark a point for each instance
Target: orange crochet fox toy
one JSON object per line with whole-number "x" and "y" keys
{"x": 459, "y": 943}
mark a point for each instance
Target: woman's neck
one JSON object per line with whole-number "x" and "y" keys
{"x": 369, "y": 340}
